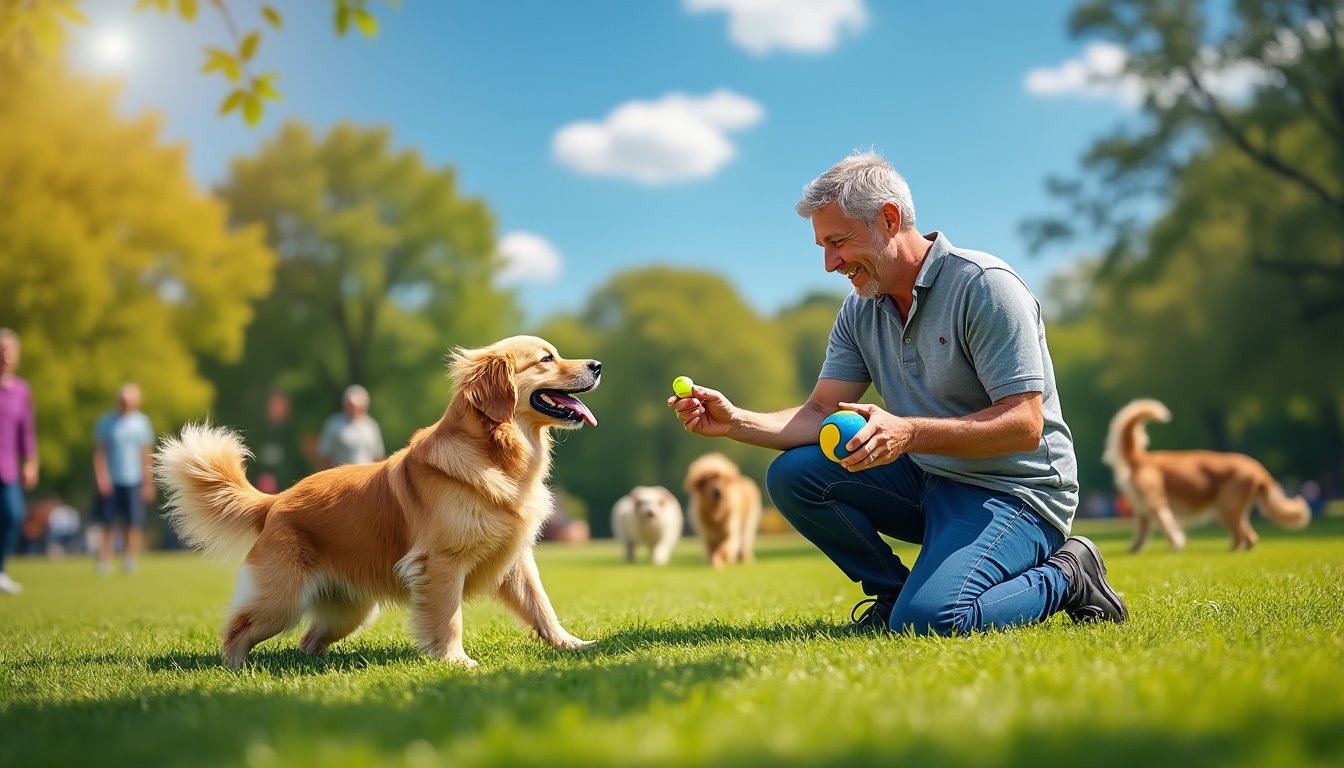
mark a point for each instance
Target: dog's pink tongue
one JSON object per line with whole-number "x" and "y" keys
{"x": 577, "y": 406}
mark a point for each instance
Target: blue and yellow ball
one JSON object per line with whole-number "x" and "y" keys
{"x": 836, "y": 430}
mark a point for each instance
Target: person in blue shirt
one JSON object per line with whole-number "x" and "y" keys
{"x": 969, "y": 456}
{"x": 122, "y": 451}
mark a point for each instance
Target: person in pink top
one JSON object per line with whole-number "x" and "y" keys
{"x": 18, "y": 452}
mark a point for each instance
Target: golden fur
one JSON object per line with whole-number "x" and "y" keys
{"x": 452, "y": 515}
{"x": 1175, "y": 486}
{"x": 725, "y": 509}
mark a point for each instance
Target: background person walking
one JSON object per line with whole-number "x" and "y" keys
{"x": 351, "y": 436}
{"x": 18, "y": 451}
{"x": 123, "y": 446}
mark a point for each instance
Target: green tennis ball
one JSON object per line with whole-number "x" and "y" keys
{"x": 682, "y": 386}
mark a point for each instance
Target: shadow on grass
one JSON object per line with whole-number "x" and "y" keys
{"x": 287, "y": 662}
{"x": 713, "y": 633}
{"x": 190, "y": 726}
{"x": 291, "y": 661}
{"x": 510, "y": 710}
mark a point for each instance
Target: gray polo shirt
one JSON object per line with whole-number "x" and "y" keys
{"x": 974, "y": 336}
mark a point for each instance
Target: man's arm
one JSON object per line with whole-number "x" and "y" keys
{"x": 28, "y": 445}
{"x": 707, "y": 412}
{"x": 1013, "y": 424}
{"x": 147, "y": 464}
{"x": 101, "y": 475}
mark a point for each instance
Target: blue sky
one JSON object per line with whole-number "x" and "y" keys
{"x": 613, "y": 134}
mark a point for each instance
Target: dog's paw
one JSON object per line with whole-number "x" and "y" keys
{"x": 461, "y": 660}
{"x": 312, "y": 643}
{"x": 568, "y": 642}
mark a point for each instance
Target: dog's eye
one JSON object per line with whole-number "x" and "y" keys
{"x": 548, "y": 359}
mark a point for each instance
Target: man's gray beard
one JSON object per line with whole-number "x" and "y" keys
{"x": 870, "y": 290}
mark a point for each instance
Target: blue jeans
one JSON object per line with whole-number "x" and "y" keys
{"x": 11, "y": 518}
{"x": 981, "y": 563}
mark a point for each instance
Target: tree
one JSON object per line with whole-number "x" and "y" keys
{"x": 1291, "y": 51}
{"x": 114, "y": 265}
{"x": 29, "y": 28}
{"x": 1230, "y": 349}
{"x": 807, "y": 324}
{"x": 1200, "y": 326}
{"x": 648, "y": 326}
{"x": 383, "y": 267}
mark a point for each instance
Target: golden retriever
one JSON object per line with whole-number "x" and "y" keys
{"x": 454, "y": 514}
{"x": 648, "y": 516}
{"x": 725, "y": 509}
{"x": 1170, "y": 486}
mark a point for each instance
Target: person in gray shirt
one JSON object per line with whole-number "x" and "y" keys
{"x": 970, "y": 456}
{"x": 350, "y": 436}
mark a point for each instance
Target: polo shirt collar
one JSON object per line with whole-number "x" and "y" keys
{"x": 933, "y": 261}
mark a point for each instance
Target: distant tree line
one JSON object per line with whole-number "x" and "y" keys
{"x": 325, "y": 260}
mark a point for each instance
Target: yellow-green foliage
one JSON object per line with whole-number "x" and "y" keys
{"x": 113, "y": 265}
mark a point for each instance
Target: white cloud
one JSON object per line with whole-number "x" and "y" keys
{"x": 527, "y": 258}
{"x": 677, "y": 138}
{"x": 1100, "y": 74}
{"x": 808, "y": 26}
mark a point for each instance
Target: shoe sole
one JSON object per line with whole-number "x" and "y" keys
{"x": 1107, "y": 591}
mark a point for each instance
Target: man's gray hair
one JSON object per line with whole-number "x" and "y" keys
{"x": 356, "y": 394}
{"x": 861, "y": 183}
{"x": 8, "y": 334}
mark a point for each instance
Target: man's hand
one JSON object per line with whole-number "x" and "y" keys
{"x": 706, "y": 412}
{"x": 881, "y": 441}
{"x": 30, "y": 473}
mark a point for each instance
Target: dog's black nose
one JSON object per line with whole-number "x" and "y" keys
{"x": 595, "y": 366}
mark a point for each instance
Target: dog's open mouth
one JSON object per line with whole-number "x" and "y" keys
{"x": 563, "y": 406}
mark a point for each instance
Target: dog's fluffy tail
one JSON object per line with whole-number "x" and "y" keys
{"x": 207, "y": 498}
{"x": 1289, "y": 513}
{"x": 1127, "y": 438}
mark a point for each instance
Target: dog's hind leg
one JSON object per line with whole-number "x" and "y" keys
{"x": 334, "y": 618}
{"x": 522, "y": 592}
{"x": 267, "y": 602}
{"x": 1167, "y": 521}
{"x": 1234, "y": 512}
{"x": 1143, "y": 526}
{"x": 1238, "y": 525}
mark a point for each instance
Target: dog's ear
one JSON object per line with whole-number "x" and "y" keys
{"x": 485, "y": 379}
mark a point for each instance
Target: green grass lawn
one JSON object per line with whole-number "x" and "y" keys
{"x": 1228, "y": 660}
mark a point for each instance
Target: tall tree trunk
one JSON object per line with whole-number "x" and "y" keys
{"x": 1333, "y": 482}
{"x": 1215, "y": 422}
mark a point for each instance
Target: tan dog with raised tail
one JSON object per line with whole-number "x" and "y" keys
{"x": 1191, "y": 486}
{"x": 452, "y": 515}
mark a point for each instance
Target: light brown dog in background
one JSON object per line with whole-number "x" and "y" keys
{"x": 725, "y": 509}
{"x": 648, "y": 516}
{"x": 452, "y": 515}
{"x": 1191, "y": 486}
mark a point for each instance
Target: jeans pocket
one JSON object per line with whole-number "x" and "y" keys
{"x": 931, "y": 482}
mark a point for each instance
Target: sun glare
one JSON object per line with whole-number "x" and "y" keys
{"x": 112, "y": 48}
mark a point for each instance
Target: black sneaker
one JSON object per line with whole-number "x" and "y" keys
{"x": 1090, "y": 598}
{"x": 876, "y": 617}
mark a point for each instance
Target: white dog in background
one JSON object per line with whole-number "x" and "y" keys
{"x": 649, "y": 516}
